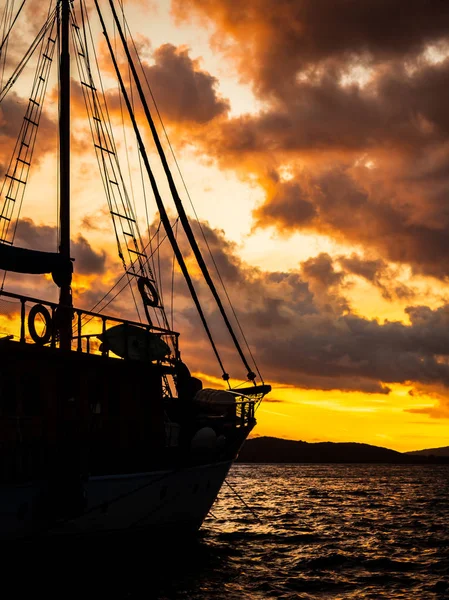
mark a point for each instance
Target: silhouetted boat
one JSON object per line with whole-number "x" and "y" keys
{"x": 102, "y": 426}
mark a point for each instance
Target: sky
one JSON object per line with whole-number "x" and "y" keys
{"x": 314, "y": 147}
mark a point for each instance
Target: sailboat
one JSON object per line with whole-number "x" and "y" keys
{"x": 102, "y": 426}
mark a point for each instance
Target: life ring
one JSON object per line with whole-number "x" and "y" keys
{"x": 149, "y": 294}
{"x": 39, "y": 309}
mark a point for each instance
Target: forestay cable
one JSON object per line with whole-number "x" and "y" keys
{"x": 177, "y": 200}
{"x": 162, "y": 211}
{"x": 190, "y": 198}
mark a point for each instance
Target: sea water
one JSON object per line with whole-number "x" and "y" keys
{"x": 286, "y": 531}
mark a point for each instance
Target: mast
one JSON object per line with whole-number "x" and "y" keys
{"x": 65, "y": 298}
{"x": 64, "y": 132}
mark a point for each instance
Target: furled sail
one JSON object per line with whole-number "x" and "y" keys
{"x": 23, "y": 260}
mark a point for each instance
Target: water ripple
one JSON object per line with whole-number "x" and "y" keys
{"x": 341, "y": 532}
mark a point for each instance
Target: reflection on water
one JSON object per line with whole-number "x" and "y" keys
{"x": 324, "y": 531}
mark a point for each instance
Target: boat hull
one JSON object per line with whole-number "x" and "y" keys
{"x": 161, "y": 501}
{"x": 90, "y": 444}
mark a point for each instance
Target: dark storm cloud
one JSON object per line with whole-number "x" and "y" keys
{"x": 396, "y": 112}
{"x": 273, "y": 40}
{"x": 294, "y": 335}
{"x": 351, "y": 348}
{"x": 324, "y": 282}
{"x": 302, "y": 329}
{"x": 371, "y": 270}
{"x": 379, "y": 274}
{"x": 359, "y": 205}
{"x": 369, "y": 163}
{"x": 12, "y": 111}
{"x": 44, "y": 237}
{"x": 320, "y": 269}
{"x": 184, "y": 92}
{"x": 225, "y": 256}
{"x": 289, "y": 194}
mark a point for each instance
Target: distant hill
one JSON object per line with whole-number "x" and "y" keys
{"x": 431, "y": 452}
{"x": 276, "y": 450}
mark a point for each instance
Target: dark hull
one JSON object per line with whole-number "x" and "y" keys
{"x": 97, "y": 455}
{"x": 171, "y": 503}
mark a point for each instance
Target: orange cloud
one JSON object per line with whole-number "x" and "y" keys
{"x": 186, "y": 94}
{"x": 368, "y": 161}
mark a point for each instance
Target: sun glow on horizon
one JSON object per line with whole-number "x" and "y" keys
{"x": 323, "y": 188}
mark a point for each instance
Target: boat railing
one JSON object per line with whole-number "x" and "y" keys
{"x": 244, "y": 409}
{"x": 35, "y": 322}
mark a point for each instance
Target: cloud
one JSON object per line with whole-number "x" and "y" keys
{"x": 273, "y": 40}
{"x": 44, "y": 237}
{"x": 303, "y": 331}
{"x": 301, "y": 328}
{"x": 324, "y": 281}
{"x": 378, "y": 273}
{"x": 12, "y": 111}
{"x": 435, "y": 412}
{"x": 354, "y": 106}
{"x": 355, "y": 205}
{"x": 185, "y": 93}
{"x": 366, "y": 165}
{"x": 361, "y": 156}
{"x": 320, "y": 270}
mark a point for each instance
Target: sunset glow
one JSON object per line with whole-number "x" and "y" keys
{"x": 315, "y": 152}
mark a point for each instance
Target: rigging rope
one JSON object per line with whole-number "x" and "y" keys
{"x": 173, "y": 281}
{"x": 6, "y": 17}
{"x": 116, "y": 284}
{"x": 155, "y": 267}
{"x": 106, "y": 151}
{"x": 17, "y": 173}
{"x": 119, "y": 201}
{"x": 164, "y": 216}
{"x": 18, "y": 169}
{"x": 95, "y": 115}
{"x": 251, "y": 510}
{"x": 34, "y": 44}
{"x": 6, "y": 35}
{"x": 188, "y": 194}
{"x": 177, "y": 200}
